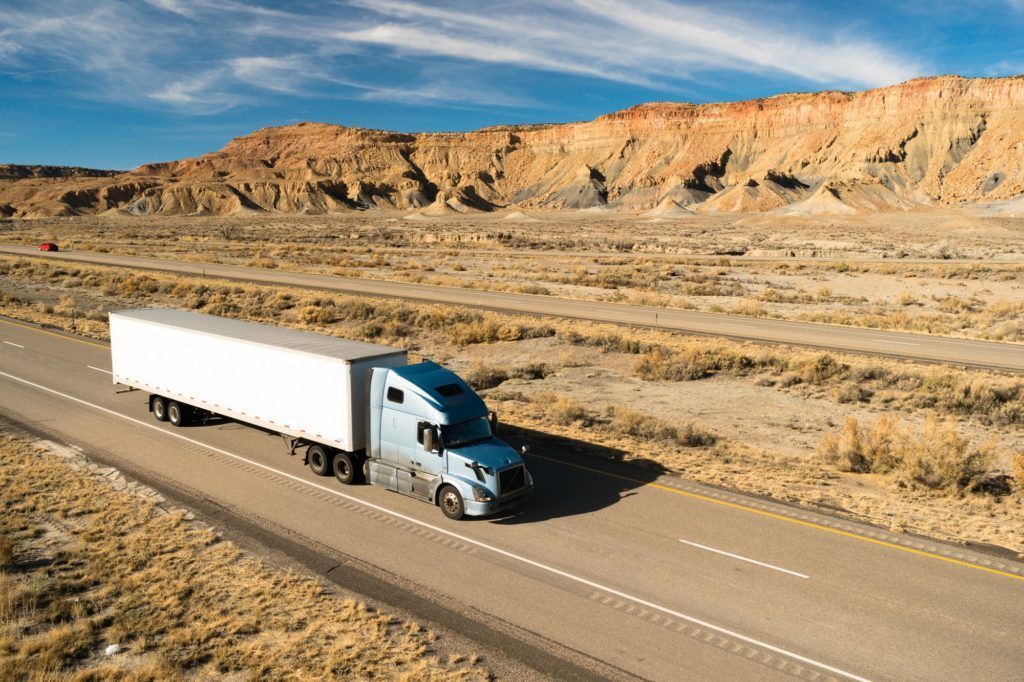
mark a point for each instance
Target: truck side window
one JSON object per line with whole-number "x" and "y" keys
{"x": 396, "y": 395}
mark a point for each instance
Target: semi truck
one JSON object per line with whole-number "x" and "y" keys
{"x": 356, "y": 410}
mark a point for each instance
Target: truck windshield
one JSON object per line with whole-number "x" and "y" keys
{"x": 466, "y": 432}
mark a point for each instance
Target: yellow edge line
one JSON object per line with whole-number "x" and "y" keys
{"x": 697, "y": 496}
{"x": 782, "y": 517}
{"x": 59, "y": 336}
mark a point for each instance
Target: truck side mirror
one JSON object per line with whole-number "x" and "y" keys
{"x": 492, "y": 417}
{"x": 428, "y": 439}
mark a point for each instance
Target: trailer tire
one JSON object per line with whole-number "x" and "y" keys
{"x": 158, "y": 406}
{"x": 450, "y": 500}
{"x": 178, "y": 414}
{"x": 319, "y": 459}
{"x": 346, "y": 468}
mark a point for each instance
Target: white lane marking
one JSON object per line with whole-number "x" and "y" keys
{"x": 16, "y": 345}
{"x": 437, "y": 529}
{"x": 900, "y": 343}
{"x": 737, "y": 326}
{"x": 100, "y": 369}
{"x": 743, "y": 558}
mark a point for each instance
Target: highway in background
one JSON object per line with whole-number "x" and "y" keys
{"x": 920, "y": 347}
{"x": 616, "y": 572}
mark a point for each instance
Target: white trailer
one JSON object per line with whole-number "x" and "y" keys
{"x": 311, "y": 387}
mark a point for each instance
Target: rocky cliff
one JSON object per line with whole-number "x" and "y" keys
{"x": 945, "y": 140}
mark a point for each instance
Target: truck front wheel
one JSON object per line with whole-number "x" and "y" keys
{"x": 451, "y": 503}
{"x": 345, "y": 468}
{"x": 319, "y": 459}
{"x": 178, "y": 414}
{"x": 159, "y": 408}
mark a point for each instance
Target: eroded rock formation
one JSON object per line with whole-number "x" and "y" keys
{"x": 945, "y": 140}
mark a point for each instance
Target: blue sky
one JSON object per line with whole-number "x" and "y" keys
{"x": 113, "y": 84}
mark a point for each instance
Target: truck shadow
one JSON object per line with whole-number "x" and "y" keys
{"x": 573, "y": 477}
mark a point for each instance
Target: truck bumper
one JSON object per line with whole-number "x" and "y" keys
{"x": 474, "y": 508}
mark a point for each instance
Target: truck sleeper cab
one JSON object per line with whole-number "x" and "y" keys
{"x": 431, "y": 437}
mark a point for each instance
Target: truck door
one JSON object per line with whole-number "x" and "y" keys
{"x": 405, "y": 438}
{"x": 428, "y": 466}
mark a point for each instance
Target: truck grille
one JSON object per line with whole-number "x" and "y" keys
{"x": 510, "y": 480}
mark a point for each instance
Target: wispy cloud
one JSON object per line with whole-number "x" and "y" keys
{"x": 205, "y": 56}
{"x": 645, "y": 41}
{"x": 280, "y": 74}
{"x": 205, "y": 92}
{"x": 180, "y": 7}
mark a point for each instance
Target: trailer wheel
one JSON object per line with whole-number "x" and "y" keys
{"x": 178, "y": 414}
{"x": 346, "y": 469}
{"x": 451, "y": 502}
{"x": 319, "y": 459}
{"x": 159, "y": 407}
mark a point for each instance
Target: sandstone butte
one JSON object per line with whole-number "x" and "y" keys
{"x": 932, "y": 141}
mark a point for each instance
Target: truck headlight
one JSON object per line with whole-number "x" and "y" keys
{"x": 481, "y": 494}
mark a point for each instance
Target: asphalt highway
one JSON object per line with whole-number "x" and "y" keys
{"x": 644, "y": 575}
{"x": 920, "y": 347}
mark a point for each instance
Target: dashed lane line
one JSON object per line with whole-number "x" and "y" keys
{"x": 743, "y": 558}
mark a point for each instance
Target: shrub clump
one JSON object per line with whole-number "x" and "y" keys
{"x": 6, "y": 554}
{"x": 262, "y": 262}
{"x": 1017, "y": 470}
{"x": 934, "y": 456}
{"x": 626, "y": 420}
{"x": 481, "y": 376}
{"x": 563, "y": 411}
{"x": 566, "y": 411}
{"x": 821, "y": 369}
{"x": 697, "y": 362}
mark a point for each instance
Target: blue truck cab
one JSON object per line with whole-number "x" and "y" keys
{"x": 430, "y": 436}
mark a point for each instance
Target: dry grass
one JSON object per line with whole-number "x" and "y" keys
{"x": 482, "y": 376}
{"x": 630, "y": 422}
{"x": 698, "y": 361}
{"x": 263, "y": 262}
{"x": 992, "y": 399}
{"x": 620, "y": 421}
{"x": 83, "y": 566}
{"x": 1017, "y": 470}
{"x": 82, "y": 295}
{"x": 6, "y": 553}
{"x": 562, "y": 410}
{"x": 977, "y": 300}
{"x": 934, "y": 455}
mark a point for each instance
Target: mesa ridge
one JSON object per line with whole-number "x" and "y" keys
{"x": 932, "y": 141}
